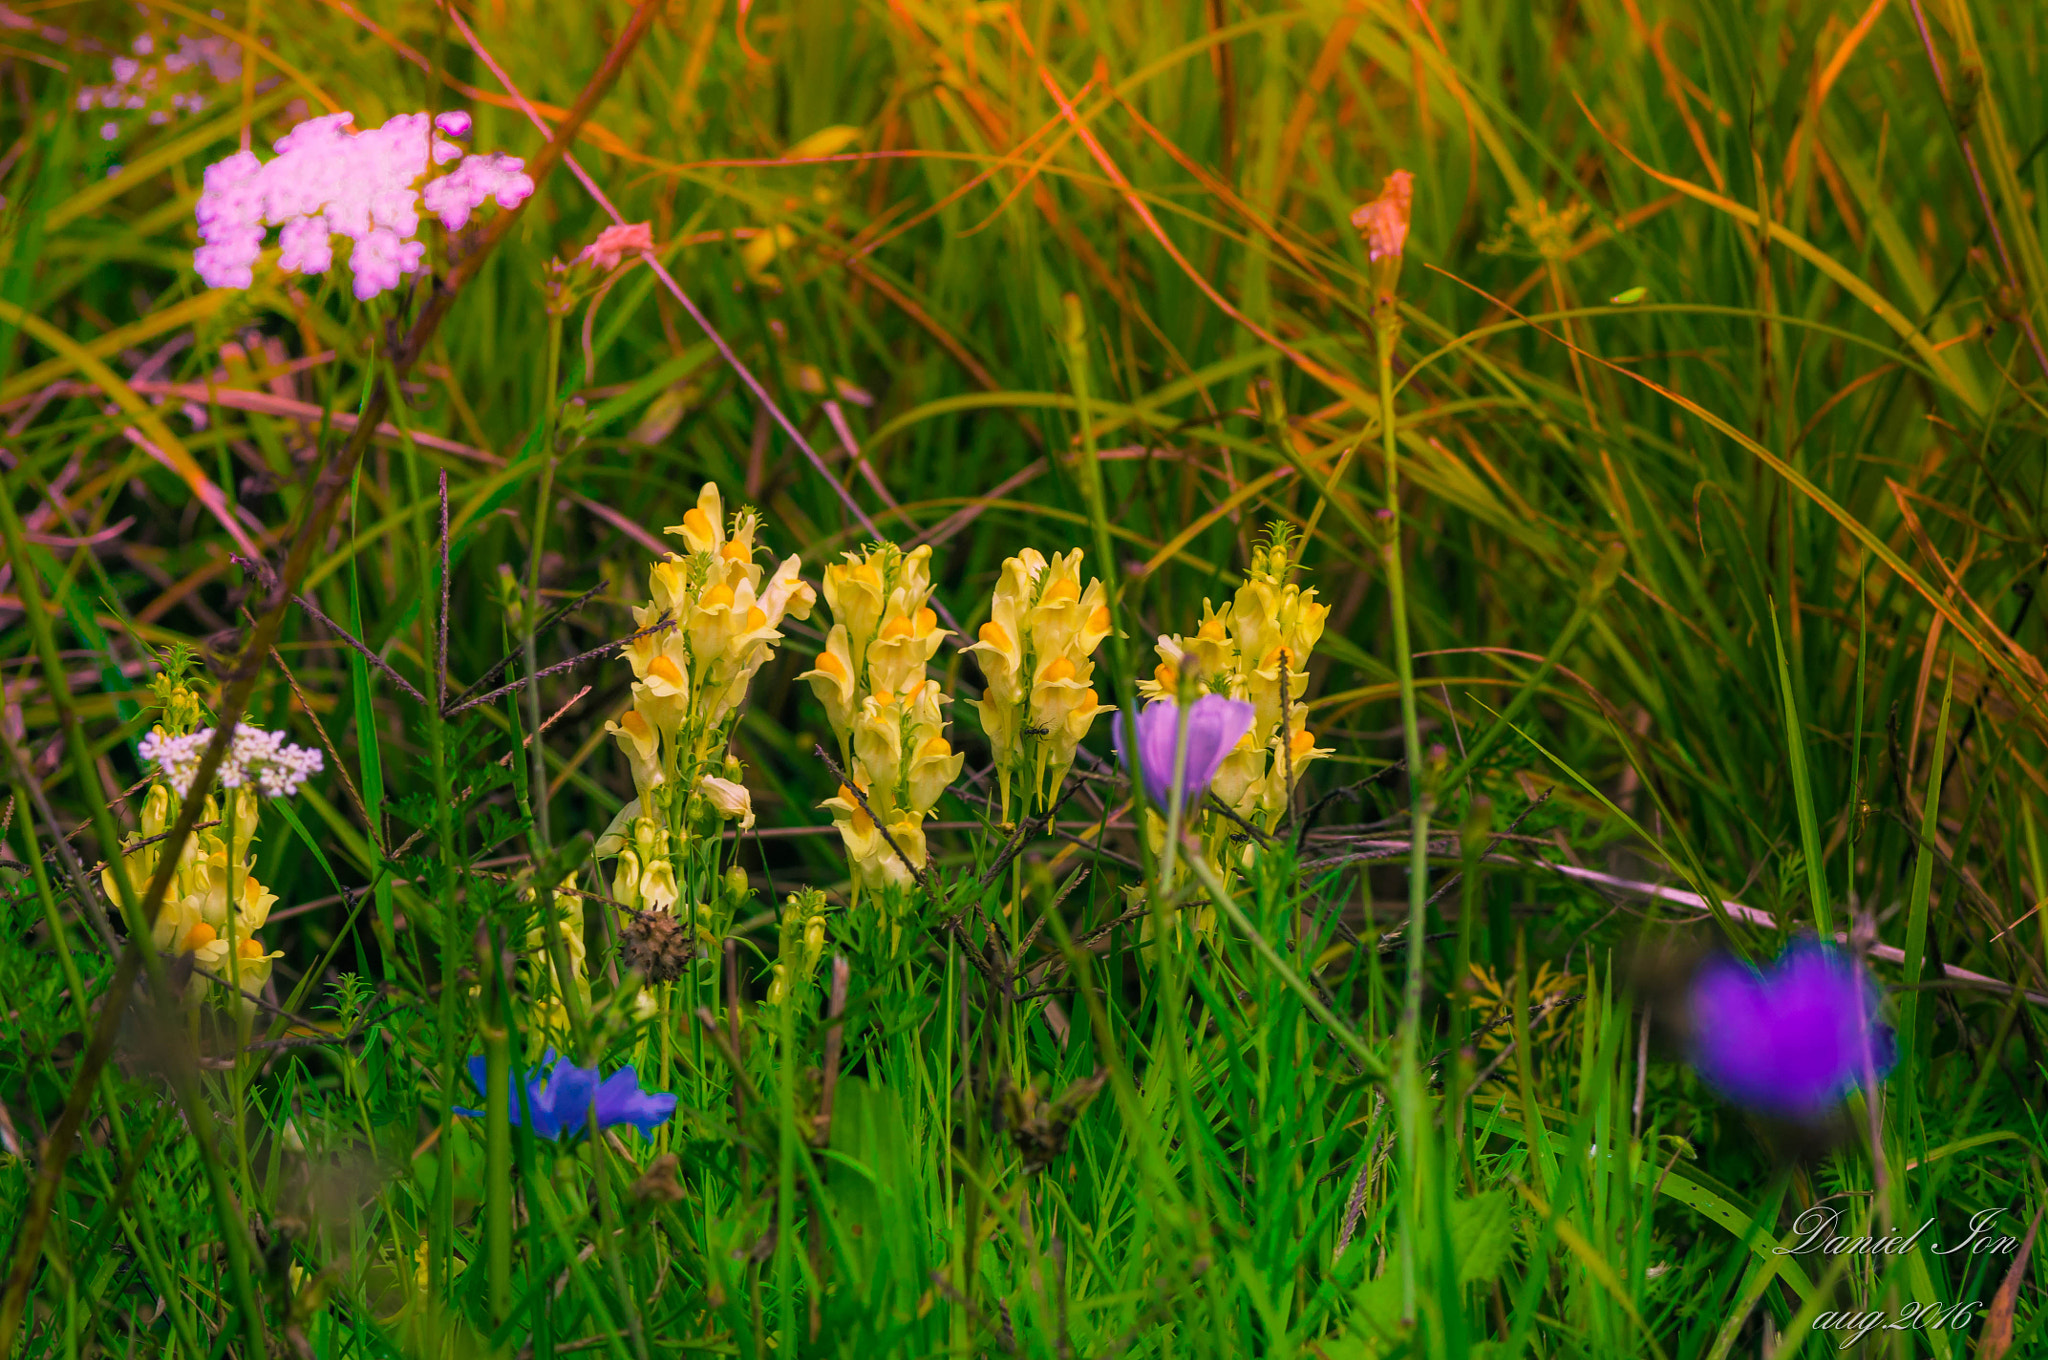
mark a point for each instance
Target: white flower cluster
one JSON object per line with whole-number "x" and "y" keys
{"x": 329, "y": 180}
{"x": 255, "y": 756}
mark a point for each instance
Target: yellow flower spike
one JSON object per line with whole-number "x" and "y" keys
{"x": 833, "y": 682}
{"x": 908, "y": 833}
{"x": 1238, "y": 777}
{"x": 1094, "y": 629}
{"x": 1001, "y": 659}
{"x": 932, "y": 769}
{"x": 857, "y": 833}
{"x": 853, "y": 590}
{"x": 658, "y": 891}
{"x": 642, "y": 747}
{"x": 668, "y": 582}
{"x": 787, "y": 595}
{"x": 663, "y": 699}
{"x": 814, "y": 941}
{"x": 845, "y": 803}
{"x": 886, "y": 713}
{"x": 878, "y": 749}
{"x": 899, "y": 653}
{"x": 156, "y": 810}
{"x": 703, "y": 526}
{"x": 1036, "y": 656}
{"x": 254, "y": 908}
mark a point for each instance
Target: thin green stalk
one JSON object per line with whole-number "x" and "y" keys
{"x": 1912, "y": 1040}
{"x": 1409, "y": 1099}
{"x": 537, "y": 783}
{"x": 786, "y": 1268}
{"x": 497, "y": 1140}
{"x": 1802, "y": 791}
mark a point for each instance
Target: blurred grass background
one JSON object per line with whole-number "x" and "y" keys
{"x": 1748, "y": 300}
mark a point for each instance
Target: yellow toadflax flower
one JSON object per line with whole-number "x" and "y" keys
{"x": 729, "y": 799}
{"x": 711, "y": 623}
{"x": 887, "y": 715}
{"x": 1255, "y": 647}
{"x": 1037, "y": 654}
{"x": 196, "y": 917}
{"x": 884, "y": 632}
{"x": 712, "y": 620}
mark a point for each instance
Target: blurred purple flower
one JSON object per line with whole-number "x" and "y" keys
{"x": 560, "y": 1100}
{"x": 1215, "y": 725}
{"x": 1792, "y": 1038}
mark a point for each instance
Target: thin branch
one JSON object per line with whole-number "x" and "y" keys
{"x": 1493, "y": 844}
{"x": 558, "y": 667}
{"x": 348, "y": 785}
{"x": 548, "y": 620}
{"x": 369, "y": 654}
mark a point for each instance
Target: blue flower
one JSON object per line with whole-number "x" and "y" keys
{"x": 561, "y": 1101}
{"x": 1214, "y": 726}
{"x": 1790, "y": 1039}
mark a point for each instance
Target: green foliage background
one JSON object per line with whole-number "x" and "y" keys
{"x": 1721, "y": 427}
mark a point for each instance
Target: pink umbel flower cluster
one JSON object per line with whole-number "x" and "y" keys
{"x": 329, "y": 180}
{"x": 255, "y": 756}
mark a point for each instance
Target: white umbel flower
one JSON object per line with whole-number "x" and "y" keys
{"x": 264, "y": 760}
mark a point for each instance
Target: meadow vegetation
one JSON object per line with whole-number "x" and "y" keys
{"x": 690, "y": 614}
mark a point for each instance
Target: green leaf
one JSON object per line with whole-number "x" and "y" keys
{"x": 1482, "y": 1230}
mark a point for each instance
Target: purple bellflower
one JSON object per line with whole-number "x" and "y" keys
{"x": 1215, "y": 725}
{"x": 561, "y": 1100}
{"x": 1792, "y": 1038}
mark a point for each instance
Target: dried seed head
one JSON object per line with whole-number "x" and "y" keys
{"x": 655, "y": 945}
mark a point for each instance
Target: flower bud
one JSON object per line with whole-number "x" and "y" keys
{"x": 626, "y": 880}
